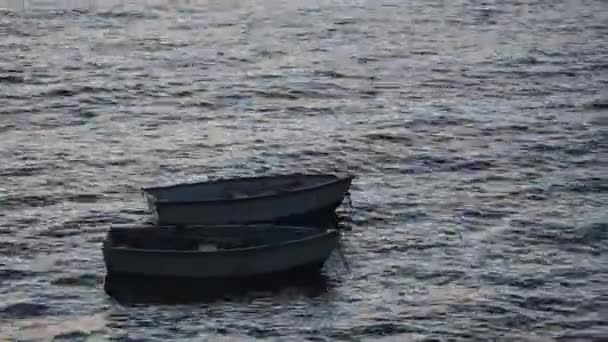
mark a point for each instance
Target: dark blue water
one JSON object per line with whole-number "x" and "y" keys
{"x": 476, "y": 129}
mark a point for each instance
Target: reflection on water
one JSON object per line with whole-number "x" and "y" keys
{"x": 43, "y": 263}
{"x": 49, "y": 328}
{"x": 78, "y": 4}
{"x": 126, "y": 5}
{"x": 475, "y": 130}
{"x": 148, "y": 290}
{"x": 453, "y": 294}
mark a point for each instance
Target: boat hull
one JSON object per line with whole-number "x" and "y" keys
{"x": 310, "y": 252}
{"x": 310, "y": 205}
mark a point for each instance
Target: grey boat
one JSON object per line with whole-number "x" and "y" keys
{"x": 216, "y": 252}
{"x": 289, "y": 199}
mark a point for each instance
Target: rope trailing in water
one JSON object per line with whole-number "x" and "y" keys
{"x": 340, "y": 251}
{"x": 345, "y": 215}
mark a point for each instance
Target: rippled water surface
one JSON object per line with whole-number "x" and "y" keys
{"x": 476, "y": 130}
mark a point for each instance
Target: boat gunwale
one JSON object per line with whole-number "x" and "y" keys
{"x": 320, "y": 235}
{"x": 157, "y": 202}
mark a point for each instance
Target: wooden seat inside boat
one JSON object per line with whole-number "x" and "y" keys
{"x": 262, "y": 189}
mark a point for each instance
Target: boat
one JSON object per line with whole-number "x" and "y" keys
{"x": 215, "y": 252}
{"x": 283, "y": 199}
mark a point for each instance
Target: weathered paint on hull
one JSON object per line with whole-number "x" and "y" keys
{"x": 300, "y": 207}
{"x": 312, "y": 267}
{"x": 223, "y": 264}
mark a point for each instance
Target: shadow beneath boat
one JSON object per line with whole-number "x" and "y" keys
{"x": 131, "y": 289}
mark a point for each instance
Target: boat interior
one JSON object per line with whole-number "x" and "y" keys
{"x": 236, "y": 188}
{"x": 204, "y": 238}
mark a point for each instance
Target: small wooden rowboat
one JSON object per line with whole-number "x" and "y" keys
{"x": 285, "y": 198}
{"x": 216, "y": 252}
